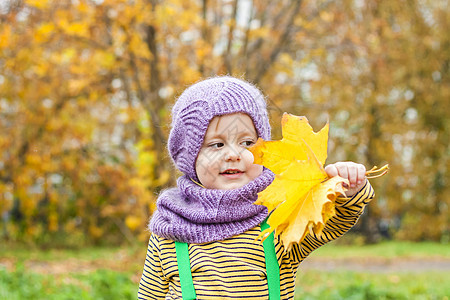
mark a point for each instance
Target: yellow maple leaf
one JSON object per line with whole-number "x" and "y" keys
{"x": 302, "y": 194}
{"x": 298, "y": 139}
{"x": 311, "y": 212}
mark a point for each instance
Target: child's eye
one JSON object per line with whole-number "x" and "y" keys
{"x": 247, "y": 143}
{"x": 216, "y": 145}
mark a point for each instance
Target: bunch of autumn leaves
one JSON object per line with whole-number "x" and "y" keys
{"x": 302, "y": 196}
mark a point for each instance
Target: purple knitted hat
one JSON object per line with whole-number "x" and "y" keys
{"x": 199, "y": 104}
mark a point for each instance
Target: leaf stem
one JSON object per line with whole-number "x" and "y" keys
{"x": 375, "y": 172}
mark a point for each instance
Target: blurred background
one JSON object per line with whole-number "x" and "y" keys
{"x": 86, "y": 88}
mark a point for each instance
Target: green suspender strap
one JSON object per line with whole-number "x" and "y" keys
{"x": 184, "y": 269}
{"x": 272, "y": 268}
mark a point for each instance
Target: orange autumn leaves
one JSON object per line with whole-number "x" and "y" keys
{"x": 302, "y": 193}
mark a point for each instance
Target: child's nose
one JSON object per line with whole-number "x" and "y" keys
{"x": 232, "y": 154}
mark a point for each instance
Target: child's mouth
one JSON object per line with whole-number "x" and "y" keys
{"x": 232, "y": 173}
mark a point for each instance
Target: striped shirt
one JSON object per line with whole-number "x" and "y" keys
{"x": 235, "y": 268}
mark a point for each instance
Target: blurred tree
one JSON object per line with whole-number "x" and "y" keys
{"x": 85, "y": 91}
{"x": 86, "y": 88}
{"x": 72, "y": 121}
{"x": 384, "y": 81}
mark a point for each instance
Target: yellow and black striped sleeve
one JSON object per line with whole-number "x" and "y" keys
{"x": 348, "y": 211}
{"x": 153, "y": 284}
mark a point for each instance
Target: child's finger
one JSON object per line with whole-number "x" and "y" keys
{"x": 342, "y": 169}
{"x": 361, "y": 174}
{"x": 352, "y": 175}
{"x": 331, "y": 170}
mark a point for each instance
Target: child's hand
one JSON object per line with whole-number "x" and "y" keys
{"x": 355, "y": 173}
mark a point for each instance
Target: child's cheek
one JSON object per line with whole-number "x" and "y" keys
{"x": 253, "y": 170}
{"x": 248, "y": 157}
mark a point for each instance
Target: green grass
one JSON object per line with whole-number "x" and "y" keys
{"x": 24, "y": 252}
{"x": 106, "y": 284}
{"x": 366, "y": 286}
{"x": 390, "y": 249}
{"x": 113, "y": 273}
{"x": 100, "y": 284}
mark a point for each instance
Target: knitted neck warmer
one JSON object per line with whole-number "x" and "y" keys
{"x": 192, "y": 214}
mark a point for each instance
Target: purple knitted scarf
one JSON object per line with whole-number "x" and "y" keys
{"x": 192, "y": 214}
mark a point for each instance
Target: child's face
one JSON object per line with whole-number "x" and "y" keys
{"x": 223, "y": 161}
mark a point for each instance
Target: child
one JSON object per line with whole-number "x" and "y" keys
{"x": 211, "y": 209}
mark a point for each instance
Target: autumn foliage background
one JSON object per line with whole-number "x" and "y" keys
{"x": 86, "y": 89}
